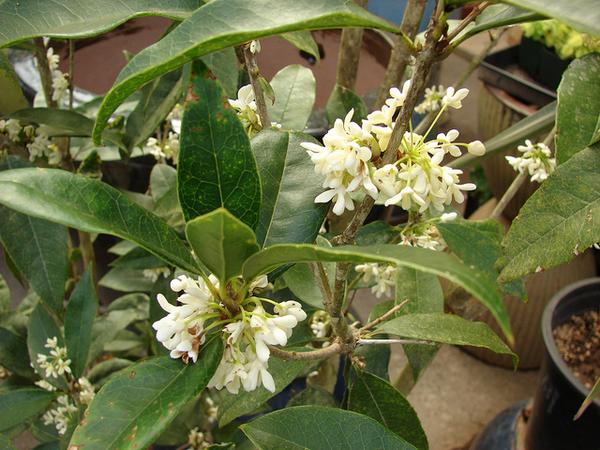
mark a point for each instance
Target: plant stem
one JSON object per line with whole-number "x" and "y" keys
{"x": 467, "y": 20}
{"x": 393, "y": 341}
{"x": 71, "y": 71}
{"x": 349, "y": 54}
{"x": 44, "y": 71}
{"x": 322, "y": 353}
{"x": 383, "y": 317}
{"x": 413, "y": 15}
{"x": 508, "y": 195}
{"x": 474, "y": 63}
{"x": 254, "y": 74}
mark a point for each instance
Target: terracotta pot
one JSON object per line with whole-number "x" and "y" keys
{"x": 525, "y": 317}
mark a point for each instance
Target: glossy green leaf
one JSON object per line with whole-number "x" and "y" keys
{"x": 221, "y": 242}
{"x": 163, "y": 189}
{"x": 81, "y": 311}
{"x": 22, "y": 404}
{"x": 157, "y": 100}
{"x": 137, "y": 258}
{"x": 583, "y": 15}
{"x": 124, "y": 279}
{"x": 13, "y": 353}
{"x": 224, "y": 65}
{"x": 445, "y": 329}
{"x": 227, "y": 23}
{"x": 232, "y": 406}
{"x": 43, "y": 325}
{"x": 295, "y": 90}
{"x": 303, "y": 40}
{"x": 106, "y": 328}
{"x": 101, "y": 371}
{"x": 477, "y": 243}
{"x": 76, "y": 19}
{"x": 288, "y": 211}
{"x": 429, "y": 261}
{"x": 155, "y": 391}
{"x": 65, "y": 122}
{"x": 560, "y": 219}
{"x": 376, "y": 398}
{"x": 424, "y": 294}
{"x": 216, "y": 167}
{"x": 12, "y": 98}
{"x": 92, "y": 206}
{"x": 534, "y": 125}
{"x": 578, "y": 115}
{"x": 496, "y": 16}
{"x": 318, "y": 427}
{"x": 341, "y": 101}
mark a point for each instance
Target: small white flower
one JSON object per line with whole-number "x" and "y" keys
{"x": 246, "y": 109}
{"x": 12, "y": 127}
{"x": 291, "y": 307}
{"x": 448, "y": 217}
{"x": 152, "y": 146}
{"x": 454, "y": 99}
{"x": 476, "y": 148}
{"x": 384, "y": 277}
{"x": 432, "y": 100}
{"x": 154, "y": 274}
{"x": 535, "y": 160}
{"x": 255, "y": 47}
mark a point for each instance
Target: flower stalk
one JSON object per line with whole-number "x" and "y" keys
{"x": 254, "y": 74}
{"x": 349, "y": 54}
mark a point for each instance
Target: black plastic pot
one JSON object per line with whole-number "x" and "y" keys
{"x": 560, "y": 393}
{"x": 541, "y": 63}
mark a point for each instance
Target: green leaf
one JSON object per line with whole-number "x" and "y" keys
{"x": 583, "y": 15}
{"x": 221, "y": 242}
{"x": 41, "y": 327}
{"x": 92, "y": 206}
{"x": 594, "y": 392}
{"x": 124, "y": 279}
{"x": 81, "y": 311}
{"x": 13, "y": 353}
{"x": 303, "y": 40}
{"x": 156, "y": 389}
{"x": 445, "y": 329}
{"x": 12, "y": 98}
{"x": 232, "y": 406}
{"x": 157, "y": 100}
{"x": 312, "y": 395}
{"x": 101, "y": 371}
{"x": 227, "y": 23}
{"x": 65, "y": 122}
{"x": 288, "y": 211}
{"x": 341, "y": 101}
{"x": 224, "y": 65}
{"x": 429, "y": 261}
{"x": 295, "y": 90}
{"x": 216, "y": 167}
{"x": 4, "y": 296}
{"x": 533, "y": 125}
{"x": 6, "y": 443}
{"x": 22, "y": 404}
{"x": 75, "y": 19}
{"x": 163, "y": 188}
{"x": 137, "y": 258}
{"x": 376, "y": 398}
{"x": 424, "y": 295}
{"x": 577, "y": 117}
{"x": 318, "y": 427}
{"x": 496, "y": 16}
{"x": 477, "y": 243}
{"x": 560, "y": 219}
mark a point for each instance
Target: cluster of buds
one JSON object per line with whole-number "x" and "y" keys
{"x": 60, "y": 81}
{"x": 247, "y": 333}
{"x": 168, "y": 147}
{"x": 535, "y": 160}
{"x": 432, "y": 100}
{"x": 155, "y": 273}
{"x": 37, "y": 140}
{"x": 417, "y": 181}
{"x": 320, "y": 324}
{"x": 54, "y": 365}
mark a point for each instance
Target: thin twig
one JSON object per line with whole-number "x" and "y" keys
{"x": 349, "y": 54}
{"x": 71, "y": 71}
{"x": 508, "y": 195}
{"x": 393, "y": 341}
{"x": 383, "y": 317}
{"x": 322, "y": 353}
{"x": 467, "y": 20}
{"x": 44, "y": 71}
{"x": 413, "y": 15}
{"x": 254, "y": 73}
{"x": 323, "y": 283}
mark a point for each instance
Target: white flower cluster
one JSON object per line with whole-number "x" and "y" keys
{"x": 432, "y": 100}
{"x": 320, "y": 324}
{"x": 155, "y": 273}
{"x": 536, "y": 160}
{"x": 382, "y": 275}
{"x": 246, "y": 109}
{"x": 417, "y": 181}
{"x": 61, "y": 414}
{"x": 60, "y": 81}
{"x": 247, "y": 334}
{"x": 197, "y": 440}
{"x": 39, "y": 144}
{"x": 168, "y": 147}
{"x": 56, "y": 363}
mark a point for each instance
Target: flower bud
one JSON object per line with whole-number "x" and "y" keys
{"x": 476, "y": 148}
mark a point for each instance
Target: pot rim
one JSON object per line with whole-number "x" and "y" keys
{"x": 548, "y": 336}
